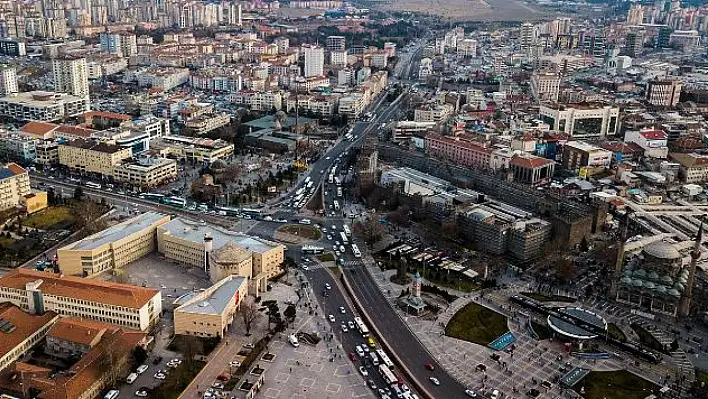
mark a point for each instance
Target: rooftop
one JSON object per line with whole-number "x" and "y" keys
{"x": 195, "y": 232}
{"x": 12, "y": 169}
{"x": 37, "y": 128}
{"x": 117, "y": 232}
{"x": 99, "y": 291}
{"x": 214, "y": 303}
{"x": 20, "y": 325}
{"x": 80, "y": 331}
{"x": 93, "y": 146}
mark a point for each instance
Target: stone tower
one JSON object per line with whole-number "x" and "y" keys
{"x": 685, "y": 305}
{"x": 417, "y": 285}
{"x": 619, "y": 260}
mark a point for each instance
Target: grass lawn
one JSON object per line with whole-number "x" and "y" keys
{"x": 646, "y": 339}
{"x": 47, "y": 218}
{"x": 615, "y": 384}
{"x": 302, "y": 230}
{"x": 6, "y": 241}
{"x": 615, "y": 332}
{"x": 327, "y": 257}
{"x": 548, "y": 298}
{"x": 477, "y": 324}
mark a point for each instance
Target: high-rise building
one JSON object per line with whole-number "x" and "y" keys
{"x": 634, "y": 44}
{"x": 336, "y": 43}
{"x": 526, "y": 35}
{"x": 663, "y": 93}
{"x": 635, "y": 15}
{"x": 71, "y": 76}
{"x": 8, "y": 80}
{"x": 545, "y": 86}
{"x": 314, "y": 60}
{"x": 663, "y": 38}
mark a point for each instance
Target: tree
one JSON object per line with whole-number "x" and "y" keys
{"x": 108, "y": 363}
{"x": 78, "y": 193}
{"x": 370, "y": 229}
{"x": 290, "y": 313}
{"x": 139, "y": 356}
{"x": 89, "y": 217}
{"x": 249, "y": 313}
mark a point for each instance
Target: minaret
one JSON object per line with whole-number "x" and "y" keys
{"x": 619, "y": 260}
{"x": 208, "y": 246}
{"x": 687, "y": 296}
{"x": 417, "y": 285}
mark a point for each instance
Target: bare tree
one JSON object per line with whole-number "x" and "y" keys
{"x": 108, "y": 363}
{"x": 89, "y": 217}
{"x": 249, "y": 313}
{"x": 369, "y": 229}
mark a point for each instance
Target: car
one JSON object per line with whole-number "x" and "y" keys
{"x": 371, "y": 384}
{"x": 324, "y": 229}
{"x": 352, "y": 356}
{"x": 235, "y": 363}
{"x": 342, "y": 310}
{"x": 327, "y": 286}
{"x": 325, "y": 293}
{"x": 350, "y": 324}
{"x": 217, "y": 385}
{"x": 334, "y": 228}
{"x": 141, "y": 369}
{"x": 329, "y": 237}
{"x": 405, "y": 388}
{"x": 305, "y": 268}
{"x": 359, "y": 351}
{"x": 159, "y": 376}
{"x": 495, "y": 394}
{"x": 337, "y": 253}
{"x": 248, "y": 345}
{"x": 363, "y": 371}
{"x": 365, "y": 348}
{"x": 470, "y": 393}
{"x": 141, "y": 393}
{"x": 434, "y": 380}
{"x": 495, "y": 357}
{"x": 344, "y": 328}
{"x": 331, "y": 318}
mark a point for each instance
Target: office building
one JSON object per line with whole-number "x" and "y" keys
{"x": 634, "y": 44}
{"x": 314, "y": 60}
{"x": 8, "y": 80}
{"x": 42, "y": 106}
{"x": 20, "y": 331}
{"x": 146, "y": 172}
{"x": 545, "y": 86}
{"x": 581, "y": 120}
{"x": 89, "y": 156}
{"x": 457, "y": 150}
{"x": 693, "y": 167}
{"x": 196, "y": 151}
{"x": 211, "y": 312}
{"x": 111, "y": 248}
{"x": 663, "y": 93}
{"x": 201, "y": 245}
{"x": 12, "y": 47}
{"x": 579, "y": 156}
{"x": 336, "y": 43}
{"x": 122, "y": 305}
{"x": 14, "y": 185}
{"x": 71, "y": 76}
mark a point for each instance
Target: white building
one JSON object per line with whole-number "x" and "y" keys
{"x": 581, "y": 120}
{"x": 467, "y": 47}
{"x": 159, "y": 78}
{"x": 338, "y": 58}
{"x": 71, "y": 76}
{"x": 42, "y": 106}
{"x": 653, "y": 142}
{"x": 314, "y": 60}
{"x": 545, "y": 86}
{"x": 8, "y": 80}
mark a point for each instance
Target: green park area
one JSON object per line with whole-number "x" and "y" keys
{"x": 615, "y": 384}
{"x": 477, "y": 324}
{"x": 302, "y": 230}
{"x": 49, "y": 217}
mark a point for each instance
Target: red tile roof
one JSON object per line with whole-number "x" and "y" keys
{"x": 653, "y": 134}
{"x": 16, "y": 169}
{"x": 81, "y": 331}
{"x": 25, "y": 325}
{"x": 107, "y": 115}
{"x": 529, "y": 161}
{"x": 38, "y": 128}
{"x": 75, "y": 130}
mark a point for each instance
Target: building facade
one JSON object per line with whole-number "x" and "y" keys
{"x": 457, "y": 150}
{"x": 582, "y": 120}
{"x": 42, "y": 106}
{"x": 71, "y": 76}
{"x": 14, "y": 185}
{"x": 87, "y": 156}
{"x": 8, "y": 80}
{"x": 146, "y": 172}
{"x": 663, "y": 93}
{"x": 545, "y": 86}
{"x": 314, "y": 60}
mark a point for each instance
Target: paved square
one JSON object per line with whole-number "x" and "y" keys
{"x": 271, "y": 393}
{"x": 282, "y": 377}
{"x": 307, "y": 382}
{"x": 316, "y": 367}
{"x": 331, "y": 387}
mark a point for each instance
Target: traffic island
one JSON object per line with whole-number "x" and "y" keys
{"x": 303, "y": 231}
{"x": 615, "y": 384}
{"x": 477, "y": 324}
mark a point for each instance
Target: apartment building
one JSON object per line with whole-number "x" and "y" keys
{"x": 125, "y": 44}
{"x": 14, "y": 185}
{"x": 579, "y": 156}
{"x": 90, "y": 156}
{"x": 146, "y": 172}
{"x": 432, "y": 112}
{"x": 211, "y": 312}
{"x": 458, "y": 150}
{"x": 17, "y": 147}
{"x": 198, "y": 151}
{"x": 21, "y": 331}
{"x": 663, "y": 93}
{"x": 545, "y": 86}
{"x": 42, "y": 106}
{"x": 352, "y": 104}
{"x": 123, "y": 305}
{"x": 187, "y": 243}
{"x": 111, "y": 248}
{"x": 8, "y": 80}
{"x": 206, "y": 123}
{"x": 336, "y": 43}
{"x": 159, "y": 77}
{"x": 47, "y": 152}
{"x": 654, "y": 142}
{"x": 314, "y": 60}
{"x": 581, "y": 120}
{"x": 693, "y": 168}
{"x": 259, "y": 100}
{"x": 71, "y": 76}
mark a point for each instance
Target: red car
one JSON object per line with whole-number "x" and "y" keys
{"x": 429, "y": 366}
{"x": 352, "y": 356}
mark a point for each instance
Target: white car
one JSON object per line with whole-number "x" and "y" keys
{"x": 342, "y": 310}
{"x": 470, "y": 393}
{"x": 327, "y": 286}
{"x": 495, "y": 394}
{"x": 160, "y": 376}
{"x": 331, "y": 318}
{"x": 305, "y": 268}
{"x": 141, "y": 369}
{"x": 329, "y": 237}
{"x": 434, "y": 380}
{"x": 344, "y": 328}
{"x": 141, "y": 393}
{"x": 234, "y": 363}
{"x": 217, "y": 385}
{"x": 363, "y": 371}
{"x": 359, "y": 351}
{"x": 351, "y": 325}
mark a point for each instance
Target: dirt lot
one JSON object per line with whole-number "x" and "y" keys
{"x": 468, "y": 10}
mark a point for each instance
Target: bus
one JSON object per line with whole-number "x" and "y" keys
{"x": 93, "y": 185}
{"x": 311, "y": 250}
{"x": 356, "y": 251}
{"x": 153, "y": 197}
{"x": 229, "y": 211}
{"x": 387, "y": 375}
{"x": 300, "y": 191}
{"x": 361, "y": 327}
{"x": 336, "y": 205}
{"x": 309, "y": 184}
{"x": 347, "y": 230}
{"x": 339, "y": 191}
{"x": 337, "y": 181}
{"x": 176, "y": 202}
{"x": 307, "y": 179}
{"x": 384, "y": 359}
{"x": 345, "y": 240}
{"x": 252, "y": 212}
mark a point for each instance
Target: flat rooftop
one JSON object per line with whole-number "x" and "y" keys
{"x": 214, "y": 303}
{"x": 195, "y": 232}
{"x": 117, "y": 232}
